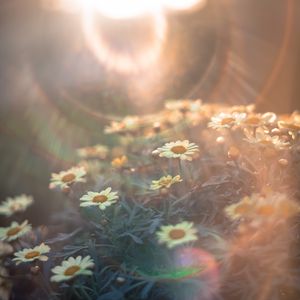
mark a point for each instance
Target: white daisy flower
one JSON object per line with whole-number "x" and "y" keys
{"x": 72, "y": 267}
{"x": 97, "y": 151}
{"x": 14, "y": 231}
{"x": 29, "y": 255}
{"x": 174, "y": 235}
{"x": 165, "y": 182}
{"x": 183, "y": 150}
{"x": 226, "y": 120}
{"x": 264, "y": 139}
{"x": 64, "y": 178}
{"x": 14, "y": 205}
{"x": 102, "y": 199}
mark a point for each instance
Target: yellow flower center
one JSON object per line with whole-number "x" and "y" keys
{"x": 13, "y": 231}
{"x": 266, "y": 210}
{"x": 32, "y": 254}
{"x": 100, "y": 199}
{"x": 71, "y": 270}
{"x": 165, "y": 181}
{"x": 227, "y": 121}
{"x": 16, "y": 206}
{"x": 176, "y": 234}
{"x": 178, "y": 149}
{"x": 242, "y": 209}
{"x": 68, "y": 178}
{"x": 252, "y": 121}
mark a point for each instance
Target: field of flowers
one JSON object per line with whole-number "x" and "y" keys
{"x": 196, "y": 202}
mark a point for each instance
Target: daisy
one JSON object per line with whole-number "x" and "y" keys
{"x": 128, "y": 124}
{"x": 97, "y": 151}
{"x": 263, "y": 138}
{"x": 184, "y": 105}
{"x": 65, "y": 178}
{"x": 226, "y": 120}
{"x": 183, "y": 150}
{"x": 241, "y": 209}
{"x": 165, "y": 182}
{"x": 103, "y": 199}
{"x": 173, "y": 235}
{"x": 275, "y": 206}
{"x": 14, "y": 231}
{"x": 119, "y": 162}
{"x": 29, "y": 255}
{"x": 72, "y": 267}
{"x": 14, "y": 205}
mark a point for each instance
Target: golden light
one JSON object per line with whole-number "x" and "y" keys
{"x": 105, "y": 53}
{"x": 122, "y": 9}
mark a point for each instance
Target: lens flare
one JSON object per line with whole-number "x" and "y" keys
{"x": 121, "y": 61}
{"x": 183, "y": 4}
{"x": 102, "y": 49}
{"x": 209, "y": 275}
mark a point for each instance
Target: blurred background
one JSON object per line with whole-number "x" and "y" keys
{"x": 65, "y": 66}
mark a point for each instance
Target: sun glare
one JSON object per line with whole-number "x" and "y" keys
{"x": 153, "y": 10}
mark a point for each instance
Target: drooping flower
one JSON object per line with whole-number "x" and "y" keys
{"x": 29, "y": 255}
{"x": 72, "y": 267}
{"x": 165, "y": 182}
{"x": 97, "y": 151}
{"x": 183, "y": 150}
{"x": 174, "y": 235}
{"x": 102, "y": 199}
{"x": 14, "y": 205}
{"x": 14, "y": 231}
{"x": 65, "y": 178}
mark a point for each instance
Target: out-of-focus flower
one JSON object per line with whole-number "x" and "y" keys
{"x": 174, "y": 235}
{"x": 16, "y": 204}
{"x": 226, "y": 120}
{"x": 72, "y": 267}
{"x": 293, "y": 127}
{"x": 14, "y": 231}
{"x": 241, "y": 209}
{"x": 172, "y": 117}
{"x": 253, "y": 120}
{"x": 184, "y": 105}
{"x": 97, "y": 151}
{"x": 128, "y": 124}
{"x": 65, "y": 178}
{"x": 183, "y": 150}
{"x": 103, "y": 199}
{"x": 264, "y": 139}
{"x": 165, "y": 182}
{"x": 119, "y": 162}
{"x": 29, "y": 255}
{"x": 270, "y": 206}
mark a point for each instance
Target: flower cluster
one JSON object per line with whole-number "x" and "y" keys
{"x": 160, "y": 204}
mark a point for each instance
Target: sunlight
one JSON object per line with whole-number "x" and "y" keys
{"x": 114, "y": 59}
{"x": 123, "y": 9}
